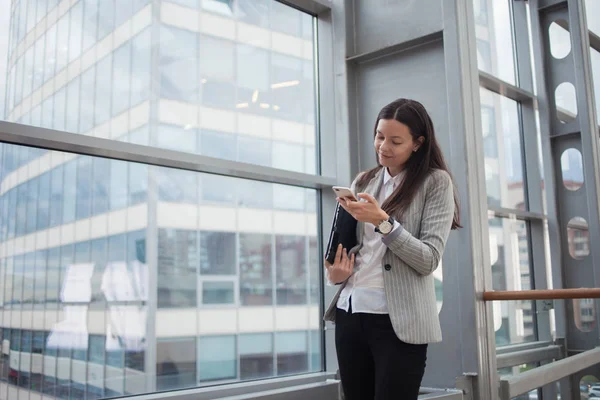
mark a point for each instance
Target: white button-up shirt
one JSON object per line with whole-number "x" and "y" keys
{"x": 365, "y": 286}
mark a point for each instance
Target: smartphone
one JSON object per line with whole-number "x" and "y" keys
{"x": 344, "y": 192}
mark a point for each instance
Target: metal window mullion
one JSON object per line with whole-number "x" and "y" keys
{"x": 503, "y": 88}
{"x": 515, "y": 214}
{"x": 313, "y": 7}
{"x": 97, "y": 147}
{"x": 531, "y": 159}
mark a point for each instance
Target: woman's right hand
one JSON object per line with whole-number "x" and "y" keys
{"x": 342, "y": 267}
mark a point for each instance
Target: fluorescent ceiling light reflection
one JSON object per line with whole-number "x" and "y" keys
{"x": 241, "y": 105}
{"x": 264, "y": 105}
{"x": 255, "y": 96}
{"x": 284, "y": 84}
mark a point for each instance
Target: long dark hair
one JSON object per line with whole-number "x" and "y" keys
{"x": 420, "y": 164}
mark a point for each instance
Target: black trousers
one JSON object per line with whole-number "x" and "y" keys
{"x": 374, "y": 364}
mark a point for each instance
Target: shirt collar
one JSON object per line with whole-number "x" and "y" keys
{"x": 395, "y": 179}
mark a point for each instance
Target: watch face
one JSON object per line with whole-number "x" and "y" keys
{"x": 385, "y": 227}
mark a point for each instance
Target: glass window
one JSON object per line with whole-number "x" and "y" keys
{"x": 121, "y": 78}
{"x": 40, "y": 277}
{"x": 218, "y": 189}
{"x": 70, "y": 192}
{"x": 96, "y": 349}
{"x": 38, "y": 71}
{"x": 494, "y": 25}
{"x": 288, "y": 156}
{"x": 83, "y": 188}
{"x": 218, "y": 94}
{"x": 234, "y": 77}
{"x": 104, "y": 81}
{"x": 72, "y": 118}
{"x": 118, "y": 184}
{"x": 292, "y": 352}
{"x": 291, "y": 271}
{"x": 178, "y": 56}
{"x": 32, "y": 205}
{"x": 106, "y": 18}
{"x": 177, "y": 138}
{"x": 254, "y": 12}
{"x": 514, "y": 321}
{"x": 138, "y": 183}
{"x": 101, "y": 180}
{"x": 214, "y": 292}
{"x": 254, "y": 151}
{"x": 123, "y": 11}
{"x": 53, "y": 278}
{"x": 76, "y": 31}
{"x": 285, "y": 19}
{"x": 218, "y": 144}
{"x": 99, "y": 257}
{"x": 217, "y": 358}
{"x": 88, "y": 90}
{"x": 254, "y": 194}
{"x": 43, "y": 206}
{"x": 217, "y": 58}
{"x": 289, "y": 198}
{"x": 503, "y": 151}
{"x": 60, "y": 112}
{"x": 217, "y": 253}
{"x": 90, "y": 25}
{"x": 255, "y": 74}
{"x": 28, "y": 75}
{"x": 140, "y": 67}
{"x": 256, "y": 287}
{"x": 287, "y": 83}
{"x": 62, "y": 43}
{"x": 197, "y": 265}
{"x": 592, "y": 9}
{"x": 177, "y": 266}
{"x": 256, "y": 355}
{"x": 177, "y": 185}
{"x": 175, "y": 363}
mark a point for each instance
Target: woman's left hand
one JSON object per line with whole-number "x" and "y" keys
{"x": 364, "y": 211}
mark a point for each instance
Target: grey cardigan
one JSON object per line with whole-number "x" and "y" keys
{"x": 413, "y": 252}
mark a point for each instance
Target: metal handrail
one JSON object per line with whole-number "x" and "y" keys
{"x": 551, "y": 352}
{"x": 546, "y": 294}
{"x": 525, "y": 382}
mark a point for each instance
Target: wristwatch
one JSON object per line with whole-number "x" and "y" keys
{"x": 385, "y": 226}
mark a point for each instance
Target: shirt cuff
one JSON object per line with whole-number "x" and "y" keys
{"x": 396, "y": 231}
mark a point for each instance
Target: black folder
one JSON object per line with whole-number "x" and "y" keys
{"x": 343, "y": 230}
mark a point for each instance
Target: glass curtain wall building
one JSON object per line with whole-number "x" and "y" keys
{"x": 123, "y": 278}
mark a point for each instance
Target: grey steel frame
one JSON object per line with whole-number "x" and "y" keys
{"x": 557, "y": 137}
{"x": 544, "y": 375}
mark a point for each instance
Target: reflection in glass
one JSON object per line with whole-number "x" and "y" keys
{"x": 256, "y": 355}
{"x": 587, "y": 384}
{"x": 578, "y": 236}
{"x": 571, "y": 165}
{"x": 175, "y": 363}
{"x": 566, "y": 102}
{"x": 493, "y": 21}
{"x": 101, "y": 225}
{"x": 503, "y": 152}
{"x": 511, "y": 270}
{"x": 255, "y": 270}
{"x": 217, "y": 358}
{"x": 584, "y": 312}
{"x": 560, "y": 39}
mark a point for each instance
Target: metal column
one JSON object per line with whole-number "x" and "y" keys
{"x": 579, "y": 134}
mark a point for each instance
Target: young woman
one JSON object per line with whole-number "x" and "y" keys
{"x": 385, "y": 310}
